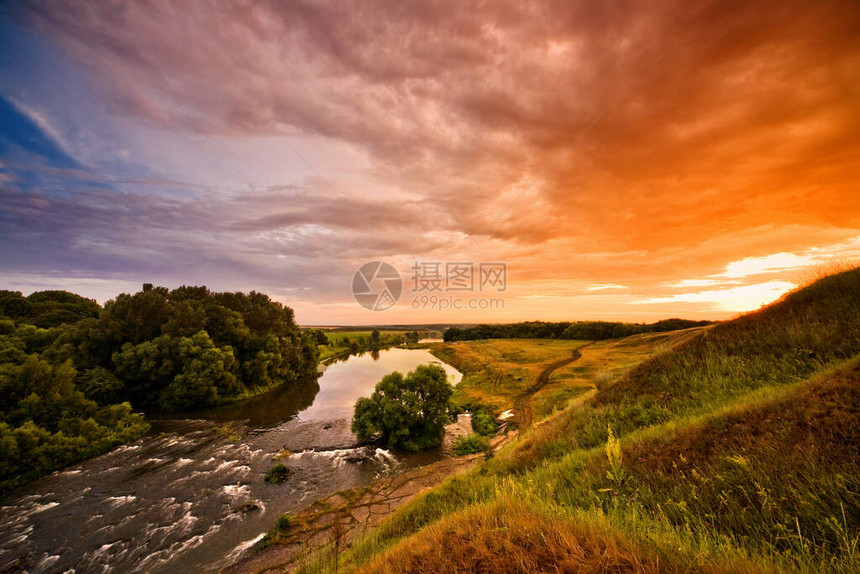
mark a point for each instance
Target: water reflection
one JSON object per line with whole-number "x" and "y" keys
{"x": 263, "y": 411}
{"x": 344, "y": 382}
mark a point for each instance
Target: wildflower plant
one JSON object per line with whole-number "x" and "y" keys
{"x": 616, "y": 473}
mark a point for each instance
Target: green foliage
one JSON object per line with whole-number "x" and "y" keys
{"x": 616, "y": 473}
{"x": 282, "y": 525}
{"x": 483, "y": 422}
{"x": 278, "y": 474}
{"x": 47, "y": 423}
{"x": 342, "y": 343}
{"x": 580, "y": 330}
{"x": 407, "y": 413}
{"x": 189, "y": 348}
{"x": 178, "y": 373}
{"x": 100, "y": 385}
{"x": 471, "y": 444}
{"x": 319, "y": 335}
{"x": 47, "y": 308}
{"x": 70, "y": 370}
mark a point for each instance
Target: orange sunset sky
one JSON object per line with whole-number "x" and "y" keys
{"x": 626, "y": 160}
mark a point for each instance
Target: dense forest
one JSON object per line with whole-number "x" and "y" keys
{"x": 73, "y": 373}
{"x": 580, "y": 330}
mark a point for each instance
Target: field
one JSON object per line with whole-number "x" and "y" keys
{"x": 499, "y": 372}
{"x": 341, "y": 339}
{"x": 732, "y": 449}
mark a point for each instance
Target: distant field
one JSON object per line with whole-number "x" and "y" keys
{"x": 498, "y": 371}
{"x": 339, "y": 335}
{"x": 340, "y": 338}
{"x": 602, "y": 363}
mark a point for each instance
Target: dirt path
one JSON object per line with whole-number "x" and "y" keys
{"x": 523, "y": 406}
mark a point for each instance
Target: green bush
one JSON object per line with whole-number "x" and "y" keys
{"x": 407, "y": 413}
{"x": 484, "y": 423}
{"x": 278, "y": 474}
{"x": 471, "y": 444}
{"x": 283, "y": 522}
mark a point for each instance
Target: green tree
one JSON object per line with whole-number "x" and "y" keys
{"x": 14, "y": 304}
{"x": 100, "y": 385}
{"x": 319, "y": 335}
{"x": 54, "y": 308}
{"x": 178, "y": 373}
{"x": 139, "y": 317}
{"x": 407, "y": 413}
{"x": 185, "y": 318}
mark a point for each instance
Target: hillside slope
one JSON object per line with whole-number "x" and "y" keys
{"x": 737, "y": 451}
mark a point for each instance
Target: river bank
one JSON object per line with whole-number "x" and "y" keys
{"x": 332, "y": 523}
{"x": 191, "y": 496}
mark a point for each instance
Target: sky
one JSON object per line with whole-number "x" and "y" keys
{"x": 630, "y": 160}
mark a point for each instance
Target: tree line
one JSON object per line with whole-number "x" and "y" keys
{"x": 342, "y": 344}
{"x": 73, "y": 373}
{"x": 580, "y": 330}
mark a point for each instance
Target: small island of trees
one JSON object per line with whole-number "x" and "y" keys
{"x": 407, "y": 413}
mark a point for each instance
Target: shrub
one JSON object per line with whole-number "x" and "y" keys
{"x": 603, "y": 379}
{"x": 278, "y": 474}
{"x": 470, "y": 444}
{"x": 283, "y": 522}
{"x": 484, "y": 423}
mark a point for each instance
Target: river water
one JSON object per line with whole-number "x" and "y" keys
{"x": 190, "y": 496}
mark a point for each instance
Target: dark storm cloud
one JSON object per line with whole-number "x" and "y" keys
{"x": 725, "y": 127}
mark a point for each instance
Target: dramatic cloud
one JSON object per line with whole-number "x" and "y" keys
{"x": 709, "y": 143}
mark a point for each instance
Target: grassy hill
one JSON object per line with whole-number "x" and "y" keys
{"x": 737, "y": 450}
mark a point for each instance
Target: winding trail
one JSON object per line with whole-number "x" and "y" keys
{"x": 522, "y": 406}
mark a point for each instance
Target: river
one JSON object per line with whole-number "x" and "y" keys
{"x": 190, "y": 496}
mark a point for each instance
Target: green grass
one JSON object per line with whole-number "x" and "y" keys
{"x": 341, "y": 337}
{"x": 470, "y": 444}
{"x": 277, "y": 532}
{"x": 740, "y": 450}
{"x": 497, "y": 371}
{"x": 340, "y": 340}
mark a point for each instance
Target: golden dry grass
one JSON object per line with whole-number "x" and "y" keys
{"x": 512, "y": 539}
{"x": 509, "y": 536}
{"x": 602, "y": 363}
{"x": 497, "y": 371}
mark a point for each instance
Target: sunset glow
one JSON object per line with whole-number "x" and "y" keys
{"x": 629, "y": 160}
